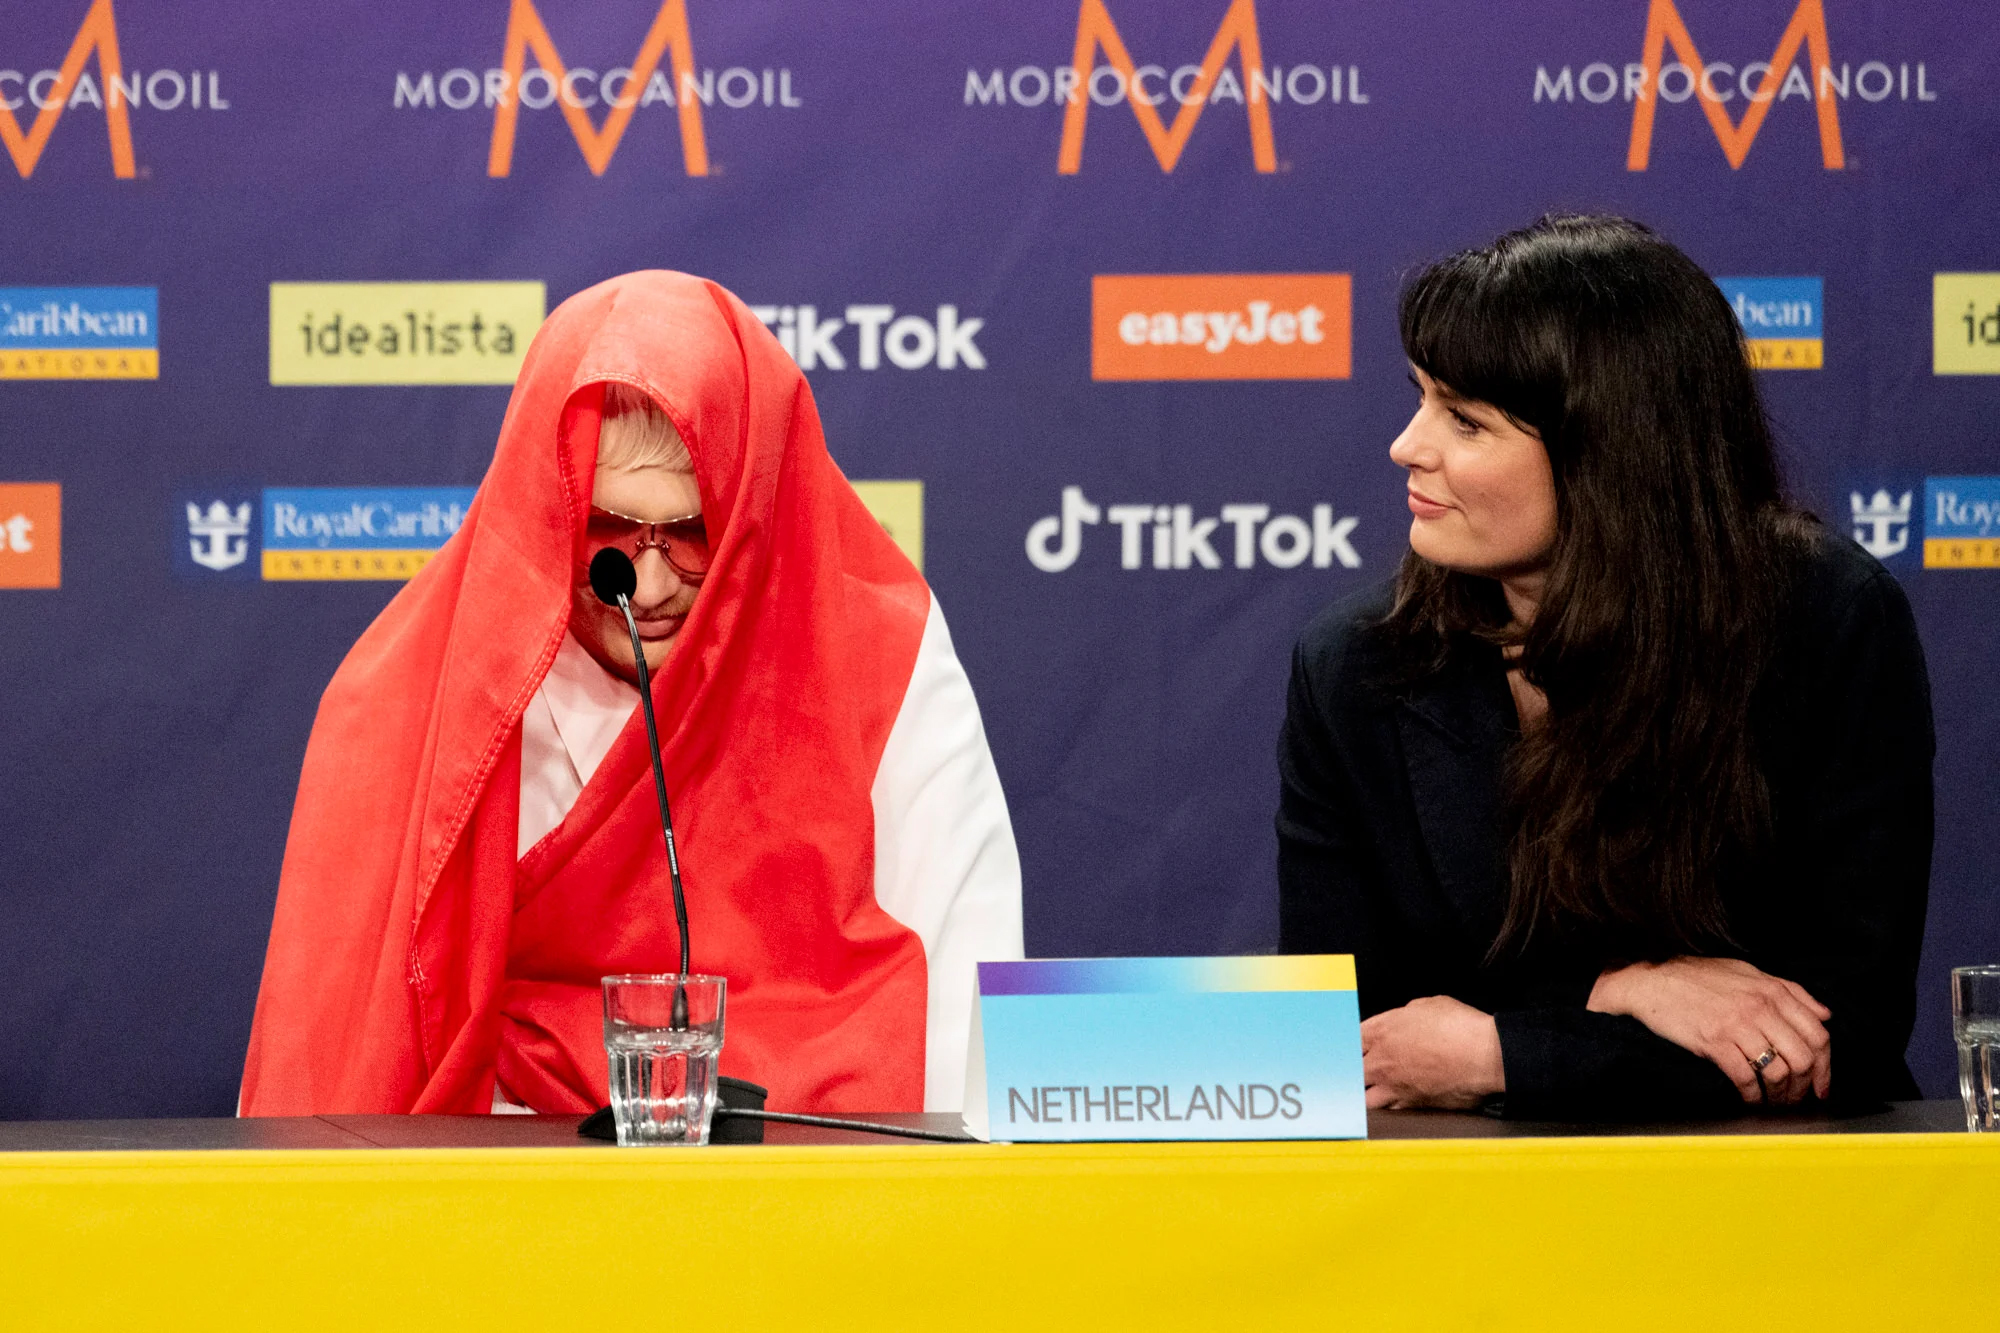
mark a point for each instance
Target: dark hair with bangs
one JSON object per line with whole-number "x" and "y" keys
{"x": 1639, "y": 793}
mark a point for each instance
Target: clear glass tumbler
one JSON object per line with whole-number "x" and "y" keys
{"x": 1975, "y": 1025}
{"x": 661, "y": 1038}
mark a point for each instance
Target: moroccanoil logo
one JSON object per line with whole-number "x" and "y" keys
{"x": 402, "y": 332}
{"x": 79, "y": 333}
{"x": 1780, "y": 319}
{"x": 1220, "y": 326}
{"x": 1083, "y": 83}
{"x": 112, "y": 93}
{"x": 1801, "y": 67}
{"x": 577, "y": 91}
{"x": 1965, "y": 323}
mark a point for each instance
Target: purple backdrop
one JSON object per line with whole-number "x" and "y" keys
{"x": 153, "y": 713}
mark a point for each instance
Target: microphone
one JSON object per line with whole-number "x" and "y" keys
{"x": 614, "y": 580}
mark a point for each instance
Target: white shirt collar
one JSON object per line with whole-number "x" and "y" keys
{"x": 589, "y": 704}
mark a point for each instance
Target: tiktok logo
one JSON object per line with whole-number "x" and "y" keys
{"x": 1180, "y": 540}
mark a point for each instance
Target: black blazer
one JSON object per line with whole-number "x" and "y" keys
{"x": 1391, "y": 847}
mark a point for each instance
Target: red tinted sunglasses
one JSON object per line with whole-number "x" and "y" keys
{"x": 682, "y": 541}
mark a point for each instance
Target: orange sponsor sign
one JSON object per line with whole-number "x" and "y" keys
{"x": 30, "y": 535}
{"x": 1221, "y": 326}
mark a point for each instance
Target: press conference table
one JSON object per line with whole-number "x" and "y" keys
{"x": 1438, "y": 1221}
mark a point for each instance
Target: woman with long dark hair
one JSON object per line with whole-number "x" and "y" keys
{"x": 1620, "y": 793}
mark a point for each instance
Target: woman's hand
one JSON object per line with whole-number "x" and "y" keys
{"x": 1431, "y": 1052}
{"x": 1729, "y": 1013}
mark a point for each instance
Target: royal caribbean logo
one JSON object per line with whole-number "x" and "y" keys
{"x": 113, "y": 92}
{"x": 1718, "y": 85}
{"x": 1962, "y": 523}
{"x": 1182, "y": 539}
{"x": 213, "y": 532}
{"x": 402, "y": 332}
{"x": 79, "y": 333}
{"x": 343, "y": 533}
{"x": 1083, "y": 83}
{"x": 1881, "y": 522}
{"x": 1220, "y": 326}
{"x": 1780, "y": 319}
{"x": 577, "y": 91}
{"x": 30, "y": 534}
{"x": 1965, "y": 323}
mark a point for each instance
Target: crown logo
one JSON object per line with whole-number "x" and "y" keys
{"x": 220, "y": 538}
{"x": 1881, "y": 524}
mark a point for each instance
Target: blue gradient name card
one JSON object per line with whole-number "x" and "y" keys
{"x": 1071, "y": 1049}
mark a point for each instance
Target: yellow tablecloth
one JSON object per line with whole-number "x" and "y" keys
{"x": 1810, "y": 1232}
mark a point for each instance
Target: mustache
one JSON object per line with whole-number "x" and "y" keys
{"x": 678, "y": 605}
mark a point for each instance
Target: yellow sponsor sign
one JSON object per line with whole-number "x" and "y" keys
{"x": 402, "y": 332}
{"x": 80, "y": 363}
{"x": 1786, "y": 353}
{"x": 1965, "y": 323}
{"x": 1962, "y": 553}
{"x": 323, "y": 565}
{"x": 899, "y": 507}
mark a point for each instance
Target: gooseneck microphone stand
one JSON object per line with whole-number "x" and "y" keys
{"x": 614, "y": 580}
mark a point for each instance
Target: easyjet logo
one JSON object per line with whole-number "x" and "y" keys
{"x": 1716, "y": 84}
{"x": 1083, "y": 83}
{"x": 1220, "y": 326}
{"x": 111, "y": 91}
{"x": 30, "y": 534}
{"x": 663, "y": 73}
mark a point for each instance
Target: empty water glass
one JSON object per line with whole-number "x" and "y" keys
{"x": 1975, "y": 1025}
{"x": 662, "y": 1035}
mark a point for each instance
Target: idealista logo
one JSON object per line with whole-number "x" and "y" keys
{"x": 1220, "y": 326}
{"x": 1962, "y": 522}
{"x": 1965, "y": 323}
{"x": 577, "y": 91}
{"x": 1715, "y": 84}
{"x": 402, "y": 332}
{"x": 113, "y": 92}
{"x": 1083, "y": 83}
{"x": 1182, "y": 541}
{"x": 907, "y": 342}
{"x": 1780, "y": 319}
{"x": 79, "y": 333}
{"x": 30, "y": 534}
{"x": 330, "y": 532}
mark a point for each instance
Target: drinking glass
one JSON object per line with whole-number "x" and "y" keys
{"x": 1975, "y": 1025}
{"x": 661, "y": 1037}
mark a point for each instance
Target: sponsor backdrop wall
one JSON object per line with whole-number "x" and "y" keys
{"x": 1102, "y": 296}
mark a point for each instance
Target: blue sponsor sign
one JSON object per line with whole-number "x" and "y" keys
{"x": 1962, "y": 522}
{"x": 1264, "y": 1047}
{"x": 343, "y": 532}
{"x": 1775, "y": 307}
{"x": 79, "y": 318}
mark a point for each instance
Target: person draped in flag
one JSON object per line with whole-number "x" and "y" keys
{"x": 476, "y": 842}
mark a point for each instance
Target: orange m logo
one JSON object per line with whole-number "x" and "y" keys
{"x": 99, "y": 33}
{"x": 525, "y": 30}
{"x": 1094, "y": 28}
{"x": 1808, "y": 26}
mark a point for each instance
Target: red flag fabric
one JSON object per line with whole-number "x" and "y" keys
{"x": 412, "y": 956}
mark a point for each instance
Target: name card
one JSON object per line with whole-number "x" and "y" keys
{"x": 1070, "y": 1049}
